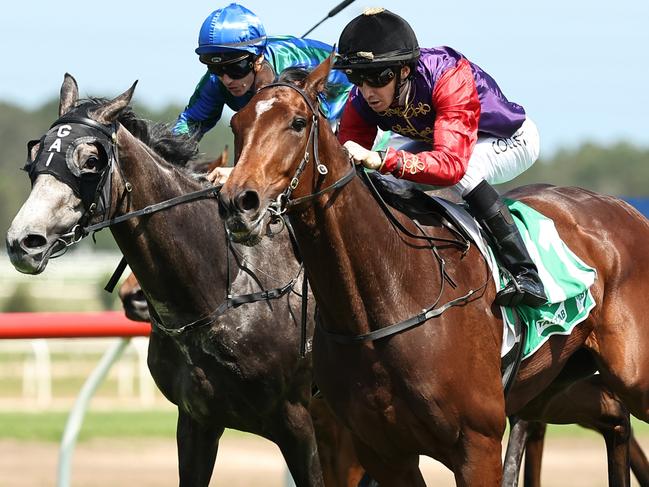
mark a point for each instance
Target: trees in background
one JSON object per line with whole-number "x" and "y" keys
{"x": 621, "y": 169}
{"x": 18, "y": 126}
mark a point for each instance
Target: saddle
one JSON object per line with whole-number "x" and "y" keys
{"x": 430, "y": 209}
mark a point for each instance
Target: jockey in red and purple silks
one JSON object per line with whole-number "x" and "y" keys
{"x": 464, "y": 131}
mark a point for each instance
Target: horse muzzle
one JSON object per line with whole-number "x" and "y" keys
{"x": 136, "y": 306}
{"x": 29, "y": 251}
{"x": 243, "y": 216}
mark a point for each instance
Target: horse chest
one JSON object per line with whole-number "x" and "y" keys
{"x": 210, "y": 377}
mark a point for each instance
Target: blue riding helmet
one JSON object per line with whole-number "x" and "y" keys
{"x": 232, "y": 28}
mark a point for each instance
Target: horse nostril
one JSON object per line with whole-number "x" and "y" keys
{"x": 138, "y": 296}
{"x": 33, "y": 241}
{"x": 248, "y": 200}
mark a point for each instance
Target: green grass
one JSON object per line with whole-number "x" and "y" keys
{"x": 158, "y": 424}
{"x": 640, "y": 428}
{"x": 50, "y": 426}
{"x": 69, "y": 387}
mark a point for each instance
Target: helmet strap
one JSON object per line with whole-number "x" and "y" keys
{"x": 260, "y": 65}
{"x": 401, "y": 88}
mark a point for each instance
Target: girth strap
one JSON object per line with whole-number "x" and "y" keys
{"x": 397, "y": 327}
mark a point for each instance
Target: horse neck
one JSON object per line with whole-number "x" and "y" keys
{"x": 176, "y": 250}
{"x": 355, "y": 257}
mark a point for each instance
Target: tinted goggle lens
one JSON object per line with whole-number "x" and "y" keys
{"x": 234, "y": 69}
{"x": 375, "y": 79}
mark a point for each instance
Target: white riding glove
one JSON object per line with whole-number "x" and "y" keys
{"x": 360, "y": 155}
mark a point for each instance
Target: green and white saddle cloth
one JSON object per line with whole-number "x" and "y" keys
{"x": 567, "y": 280}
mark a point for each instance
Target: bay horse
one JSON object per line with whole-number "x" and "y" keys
{"x": 588, "y": 403}
{"x": 435, "y": 389}
{"x": 239, "y": 369}
{"x": 585, "y": 402}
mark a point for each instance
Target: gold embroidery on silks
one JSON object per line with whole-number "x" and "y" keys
{"x": 411, "y": 164}
{"x": 408, "y": 111}
{"x": 413, "y": 133}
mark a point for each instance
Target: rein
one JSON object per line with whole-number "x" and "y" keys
{"x": 428, "y": 313}
{"x": 231, "y": 301}
{"x": 82, "y": 230}
{"x": 284, "y": 203}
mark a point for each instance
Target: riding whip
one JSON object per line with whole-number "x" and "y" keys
{"x": 331, "y": 13}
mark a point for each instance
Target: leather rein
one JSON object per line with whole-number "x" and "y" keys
{"x": 284, "y": 203}
{"x": 82, "y": 230}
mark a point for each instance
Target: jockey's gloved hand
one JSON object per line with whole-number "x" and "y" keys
{"x": 360, "y": 155}
{"x": 219, "y": 175}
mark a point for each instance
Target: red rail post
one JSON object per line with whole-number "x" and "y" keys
{"x": 70, "y": 325}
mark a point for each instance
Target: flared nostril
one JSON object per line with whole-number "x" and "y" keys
{"x": 247, "y": 201}
{"x": 33, "y": 241}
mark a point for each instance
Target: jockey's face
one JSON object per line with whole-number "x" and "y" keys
{"x": 380, "y": 98}
{"x": 238, "y": 87}
{"x": 236, "y": 69}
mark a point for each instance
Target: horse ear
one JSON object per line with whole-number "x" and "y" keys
{"x": 69, "y": 94}
{"x": 317, "y": 79}
{"x": 109, "y": 112}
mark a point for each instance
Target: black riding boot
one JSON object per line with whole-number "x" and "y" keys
{"x": 526, "y": 287}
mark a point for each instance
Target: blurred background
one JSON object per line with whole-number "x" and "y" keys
{"x": 579, "y": 68}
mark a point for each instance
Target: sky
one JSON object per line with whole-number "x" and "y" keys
{"x": 580, "y": 68}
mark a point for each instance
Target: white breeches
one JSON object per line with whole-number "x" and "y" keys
{"x": 496, "y": 160}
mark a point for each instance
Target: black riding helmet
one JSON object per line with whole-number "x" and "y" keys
{"x": 375, "y": 39}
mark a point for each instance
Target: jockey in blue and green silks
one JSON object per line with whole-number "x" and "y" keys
{"x": 240, "y": 58}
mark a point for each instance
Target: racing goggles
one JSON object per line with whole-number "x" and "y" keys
{"x": 376, "y": 78}
{"x": 236, "y": 68}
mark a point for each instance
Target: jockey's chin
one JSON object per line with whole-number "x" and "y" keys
{"x": 237, "y": 90}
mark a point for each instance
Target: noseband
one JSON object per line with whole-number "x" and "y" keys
{"x": 284, "y": 202}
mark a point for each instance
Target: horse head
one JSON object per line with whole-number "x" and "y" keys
{"x": 69, "y": 168}
{"x": 133, "y": 299}
{"x": 276, "y": 136}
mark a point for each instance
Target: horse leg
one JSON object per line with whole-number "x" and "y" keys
{"x": 518, "y": 434}
{"x": 587, "y": 402}
{"x": 639, "y": 463}
{"x": 197, "y": 447}
{"x": 479, "y": 461}
{"x": 524, "y": 437}
{"x": 395, "y": 472}
{"x": 534, "y": 453}
{"x": 340, "y": 465}
{"x": 618, "y": 341}
{"x": 294, "y": 434}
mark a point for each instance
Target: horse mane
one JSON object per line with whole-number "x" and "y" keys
{"x": 176, "y": 149}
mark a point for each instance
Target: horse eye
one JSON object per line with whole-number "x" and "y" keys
{"x": 298, "y": 124}
{"x": 91, "y": 163}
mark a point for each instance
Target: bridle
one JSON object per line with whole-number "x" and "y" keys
{"x": 95, "y": 191}
{"x": 284, "y": 203}
{"x": 100, "y": 203}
